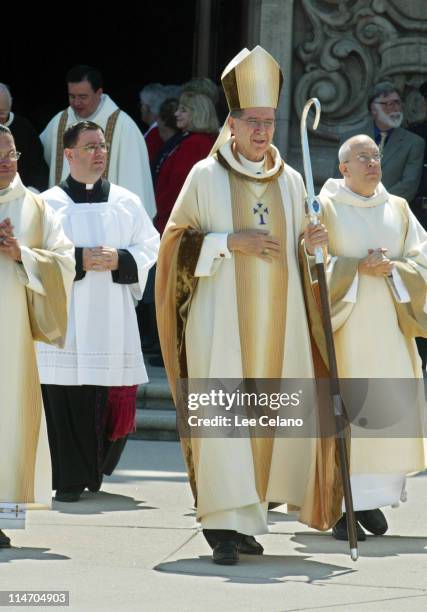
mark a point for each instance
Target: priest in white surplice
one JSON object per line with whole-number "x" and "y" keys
{"x": 128, "y": 164}
{"x": 377, "y": 278}
{"x": 36, "y": 271}
{"x": 89, "y": 388}
{"x": 230, "y": 305}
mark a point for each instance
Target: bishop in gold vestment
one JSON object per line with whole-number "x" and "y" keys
{"x": 230, "y": 305}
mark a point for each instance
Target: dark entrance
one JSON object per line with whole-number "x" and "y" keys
{"x": 132, "y": 45}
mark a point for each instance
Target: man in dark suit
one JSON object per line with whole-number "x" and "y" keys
{"x": 420, "y": 208}
{"x": 402, "y": 151}
{"x": 420, "y": 205}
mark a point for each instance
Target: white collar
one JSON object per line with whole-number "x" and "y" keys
{"x": 248, "y": 170}
{"x": 10, "y": 120}
{"x": 256, "y": 167}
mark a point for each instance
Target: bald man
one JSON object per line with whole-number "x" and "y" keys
{"x": 377, "y": 279}
{"x": 32, "y": 168}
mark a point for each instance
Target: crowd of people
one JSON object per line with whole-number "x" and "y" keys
{"x": 191, "y": 243}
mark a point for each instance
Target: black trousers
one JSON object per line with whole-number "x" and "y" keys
{"x": 422, "y": 350}
{"x": 79, "y": 448}
{"x": 213, "y": 536}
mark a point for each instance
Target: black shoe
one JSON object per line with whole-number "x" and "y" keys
{"x": 4, "y": 540}
{"x": 72, "y": 494}
{"x": 249, "y": 546}
{"x": 373, "y": 520}
{"x": 339, "y": 530}
{"x": 226, "y": 553}
{"x": 94, "y": 488}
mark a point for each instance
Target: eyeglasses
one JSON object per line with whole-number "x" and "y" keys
{"x": 91, "y": 148}
{"x": 365, "y": 159}
{"x": 390, "y": 104}
{"x": 11, "y": 156}
{"x": 266, "y": 124}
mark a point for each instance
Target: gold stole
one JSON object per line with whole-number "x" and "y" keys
{"x": 261, "y": 300}
{"x": 261, "y": 287}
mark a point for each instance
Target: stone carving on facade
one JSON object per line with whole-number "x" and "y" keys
{"x": 351, "y": 45}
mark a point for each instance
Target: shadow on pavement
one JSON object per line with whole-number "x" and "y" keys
{"x": 268, "y": 569}
{"x": 100, "y": 503}
{"x": 374, "y": 546}
{"x": 144, "y": 455}
{"x": 24, "y": 553}
{"x": 118, "y": 478}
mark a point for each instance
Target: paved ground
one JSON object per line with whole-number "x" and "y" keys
{"x": 135, "y": 546}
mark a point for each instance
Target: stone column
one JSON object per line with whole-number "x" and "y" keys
{"x": 270, "y": 24}
{"x": 202, "y": 46}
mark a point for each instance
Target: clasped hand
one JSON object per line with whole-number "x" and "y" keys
{"x": 9, "y": 244}
{"x": 376, "y": 263}
{"x": 100, "y": 259}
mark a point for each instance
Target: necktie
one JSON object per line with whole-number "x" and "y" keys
{"x": 381, "y": 144}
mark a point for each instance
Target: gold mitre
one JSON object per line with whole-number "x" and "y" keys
{"x": 252, "y": 79}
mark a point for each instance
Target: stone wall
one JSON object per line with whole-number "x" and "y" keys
{"x": 336, "y": 50}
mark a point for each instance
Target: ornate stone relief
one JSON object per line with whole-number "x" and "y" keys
{"x": 351, "y": 45}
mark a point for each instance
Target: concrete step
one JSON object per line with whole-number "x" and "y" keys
{"x": 154, "y": 403}
{"x": 155, "y": 410}
{"x": 155, "y": 425}
{"x": 156, "y": 387}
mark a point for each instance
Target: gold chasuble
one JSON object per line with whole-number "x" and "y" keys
{"x": 33, "y": 305}
{"x": 240, "y": 317}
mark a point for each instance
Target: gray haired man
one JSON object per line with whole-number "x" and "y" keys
{"x": 402, "y": 152}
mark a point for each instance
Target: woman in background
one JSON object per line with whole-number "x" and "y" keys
{"x": 196, "y": 118}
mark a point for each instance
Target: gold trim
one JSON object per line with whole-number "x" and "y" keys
{"x": 59, "y": 161}
{"x": 342, "y": 277}
{"x": 109, "y": 134}
{"x": 266, "y": 179}
{"x": 47, "y": 313}
{"x": 411, "y": 316}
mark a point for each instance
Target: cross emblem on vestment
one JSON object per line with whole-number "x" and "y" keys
{"x": 260, "y": 210}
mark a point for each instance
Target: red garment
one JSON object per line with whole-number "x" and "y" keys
{"x": 154, "y": 143}
{"x": 174, "y": 171}
{"x": 121, "y": 411}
